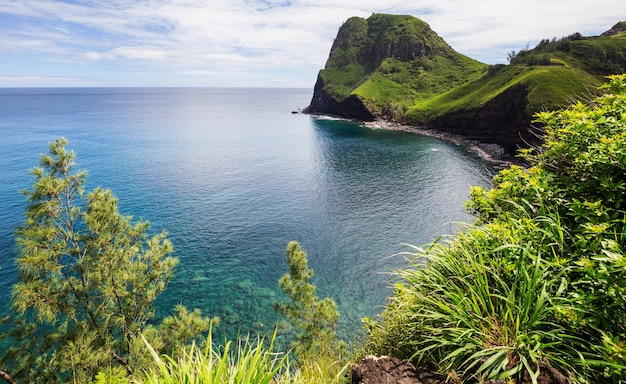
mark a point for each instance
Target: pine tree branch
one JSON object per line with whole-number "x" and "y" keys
{"x": 5, "y": 376}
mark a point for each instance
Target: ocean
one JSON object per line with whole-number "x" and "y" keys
{"x": 232, "y": 175}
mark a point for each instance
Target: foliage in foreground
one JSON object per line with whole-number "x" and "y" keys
{"x": 249, "y": 363}
{"x": 88, "y": 277}
{"x": 318, "y": 356}
{"x": 540, "y": 281}
{"x": 246, "y": 362}
{"x": 318, "y": 352}
{"x": 314, "y": 319}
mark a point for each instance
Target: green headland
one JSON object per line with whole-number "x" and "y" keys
{"x": 396, "y": 68}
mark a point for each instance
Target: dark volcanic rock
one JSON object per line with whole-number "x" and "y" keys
{"x": 390, "y": 370}
{"x": 323, "y": 103}
{"x": 504, "y": 121}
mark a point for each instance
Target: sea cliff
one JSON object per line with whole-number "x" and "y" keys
{"x": 395, "y": 68}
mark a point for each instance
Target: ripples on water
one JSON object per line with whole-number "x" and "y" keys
{"x": 233, "y": 176}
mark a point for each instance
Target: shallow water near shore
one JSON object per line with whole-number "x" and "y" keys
{"x": 233, "y": 176}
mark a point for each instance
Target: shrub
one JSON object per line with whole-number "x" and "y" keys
{"x": 318, "y": 352}
{"x": 540, "y": 280}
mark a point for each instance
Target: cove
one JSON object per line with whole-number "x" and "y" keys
{"x": 233, "y": 176}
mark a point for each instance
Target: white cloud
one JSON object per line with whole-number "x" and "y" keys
{"x": 37, "y": 81}
{"x": 263, "y": 36}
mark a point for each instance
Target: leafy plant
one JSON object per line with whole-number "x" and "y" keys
{"x": 250, "y": 362}
{"x": 88, "y": 277}
{"x": 540, "y": 281}
{"x": 315, "y": 345}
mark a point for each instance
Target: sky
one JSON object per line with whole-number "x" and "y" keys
{"x": 251, "y": 43}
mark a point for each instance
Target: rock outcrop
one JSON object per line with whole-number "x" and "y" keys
{"x": 391, "y": 370}
{"x": 503, "y": 120}
{"x": 350, "y": 108}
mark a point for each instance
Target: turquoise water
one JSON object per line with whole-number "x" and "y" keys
{"x": 233, "y": 176}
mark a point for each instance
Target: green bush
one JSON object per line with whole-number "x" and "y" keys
{"x": 318, "y": 352}
{"x": 540, "y": 281}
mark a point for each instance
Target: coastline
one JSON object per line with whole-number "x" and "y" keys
{"x": 489, "y": 151}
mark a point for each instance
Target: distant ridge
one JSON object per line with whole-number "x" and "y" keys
{"x": 396, "y": 68}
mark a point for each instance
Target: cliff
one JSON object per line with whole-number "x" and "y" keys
{"x": 396, "y": 68}
{"x": 378, "y": 68}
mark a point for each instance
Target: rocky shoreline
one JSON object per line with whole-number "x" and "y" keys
{"x": 489, "y": 151}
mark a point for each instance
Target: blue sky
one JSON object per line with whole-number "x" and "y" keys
{"x": 258, "y": 43}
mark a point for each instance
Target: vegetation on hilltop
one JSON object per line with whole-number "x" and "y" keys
{"x": 548, "y": 88}
{"x": 599, "y": 55}
{"x": 391, "y": 61}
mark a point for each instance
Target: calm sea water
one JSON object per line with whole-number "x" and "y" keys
{"x": 233, "y": 176}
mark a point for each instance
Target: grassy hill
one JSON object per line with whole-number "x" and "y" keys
{"x": 548, "y": 87}
{"x": 391, "y": 62}
{"x": 554, "y": 72}
{"x": 396, "y": 68}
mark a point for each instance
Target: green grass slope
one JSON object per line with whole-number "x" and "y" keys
{"x": 549, "y": 88}
{"x": 554, "y": 72}
{"x": 390, "y": 62}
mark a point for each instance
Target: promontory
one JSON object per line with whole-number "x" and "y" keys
{"x": 396, "y": 68}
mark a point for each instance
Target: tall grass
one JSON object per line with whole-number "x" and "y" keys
{"x": 246, "y": 362}
{"x": 485, "y": 312}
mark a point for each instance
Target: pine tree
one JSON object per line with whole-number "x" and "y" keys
{"x": 88, "y": 277}
{"x": 313, "y": 319}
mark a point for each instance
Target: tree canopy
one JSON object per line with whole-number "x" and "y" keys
{"x": 88, "y": 278}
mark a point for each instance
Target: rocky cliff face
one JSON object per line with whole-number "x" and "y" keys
{"x": 503, "y": 120}
{"x": 350, "y": 107}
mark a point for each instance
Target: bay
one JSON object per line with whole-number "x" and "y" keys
{"x": 233, "y": 176}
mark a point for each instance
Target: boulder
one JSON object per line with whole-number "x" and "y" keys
{"x": 390, "y": 370}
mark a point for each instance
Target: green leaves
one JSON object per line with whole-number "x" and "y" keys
{"x": 247, "y": 362}
{"x": 87, "y": 277}
{"x": 539, "y": 282}
{"x": 318, "y": 352}
{"x": 313, "y": 318}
